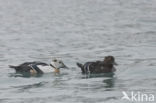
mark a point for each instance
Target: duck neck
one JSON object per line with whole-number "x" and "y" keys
{"x": 108, "y": 65}
{"x": 56, "y": 70}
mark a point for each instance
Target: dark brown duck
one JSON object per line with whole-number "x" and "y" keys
{"x": 105, "y": 66}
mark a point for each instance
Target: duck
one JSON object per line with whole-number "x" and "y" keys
{"x": 37, "y": 67}
{"x": 97, "y": 67}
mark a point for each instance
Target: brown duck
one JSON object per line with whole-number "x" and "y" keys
{"x": 105, "y": 66}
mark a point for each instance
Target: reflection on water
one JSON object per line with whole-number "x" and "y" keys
{"x": 24, "y": 88}
{"x": 85, "y": 76}
{"x": 109, "y": 82}
{"x": 25, "y": 75}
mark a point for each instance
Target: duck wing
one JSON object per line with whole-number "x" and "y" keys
{"x": 27, "y": 66}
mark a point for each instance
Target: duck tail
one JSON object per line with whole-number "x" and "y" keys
{"x": 14, "y": 67}
{"x": 11, "y": 66}
{"x": 81, "y": 66}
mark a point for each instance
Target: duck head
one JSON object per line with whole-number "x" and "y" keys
{"x": 110, "y": 60}
{"x": 57, "y": 64}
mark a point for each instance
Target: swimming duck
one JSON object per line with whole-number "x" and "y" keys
{"x": 39, "y": 67}
{"x": 105, "y": 66}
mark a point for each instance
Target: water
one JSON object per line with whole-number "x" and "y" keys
{"x": 77, "y": 31}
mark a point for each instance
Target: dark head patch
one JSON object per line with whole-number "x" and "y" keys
{"x": 109, "y": 60}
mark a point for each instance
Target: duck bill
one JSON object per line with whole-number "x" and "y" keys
{"x": 64, "y": 66}
{"x": 115, "y": 63}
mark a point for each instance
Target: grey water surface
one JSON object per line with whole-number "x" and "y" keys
{"x": 77, "y": 31}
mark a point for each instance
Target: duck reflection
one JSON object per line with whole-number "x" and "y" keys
{"x": 109, "y": 83}
{"x": 109, "y": 79}
{"x": 25, "y": 75}
{"x": 23, "y": 88}
{"x": 109, "y": 75}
